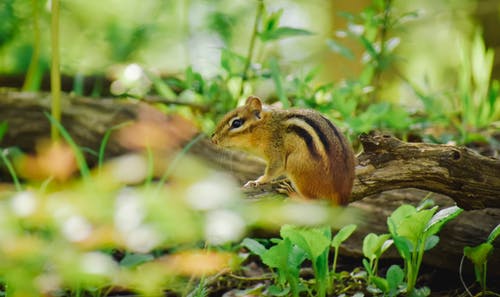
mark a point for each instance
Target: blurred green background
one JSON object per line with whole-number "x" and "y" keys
{"x": 426, "y": 58}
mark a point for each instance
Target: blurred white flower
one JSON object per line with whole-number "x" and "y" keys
{"x": 222, "y": 226}
{"x": 142, "y": 239}
{"x": 24, "y": 203}
{"x": 356, "y": 29}
{"x": 129, "y": 211}
{"x": 217, "y": 191}
{"x": 76, "y": 228}
{"x": 129, "y": 169}
{"x": 98, "y": 263}
{"x": 132, "y": 73}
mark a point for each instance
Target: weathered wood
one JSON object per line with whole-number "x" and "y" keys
{"x": 386, "y": 163}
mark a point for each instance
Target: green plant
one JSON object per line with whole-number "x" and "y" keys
{"x": 315, "y": 242}
{"x": 373, "y": 248}
{"x": 479, "y": 103}
{"x": 393, "y": 284}
{"x": 285, "y": 258}
{"x": 414, "y": 232}
{"x": 341, "y": 236}
{"x": 298, "y": 244}
{"x": 479, "y": 256}
{"x": 55, "y": 74}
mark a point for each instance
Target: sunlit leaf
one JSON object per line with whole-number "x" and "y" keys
{"x": 313, "y": 241}
{"x": 494, "y": 234}
{"x": 340, "y": 49}
{"x": 343, "y": 234}
{"x": 254, "y": 246}
{"x": 283, "y": 32}
{"x": 478, "y": 254}
{"x": 440, "y": 218}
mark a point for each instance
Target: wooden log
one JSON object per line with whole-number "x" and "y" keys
{"x": 471, "y": 180}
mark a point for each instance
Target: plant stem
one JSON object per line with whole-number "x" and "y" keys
{"x": 35, "y": 56}
{"x": 251, "y": 48}
{"x": 55, "y": 76}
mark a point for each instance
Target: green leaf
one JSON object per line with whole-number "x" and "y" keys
{"x": 283, "y": 32}
{"x": 478, "y": 254}
{"x": 431, "y": 242}
{"x": 278, "y": 291}
{"x": 413, "y": 226}
{"x": 232, "y": 62}
{"x": 277, "y": 255}
{"x": 313, "y": 241}
{"x": 381, "y": 283}
{"x": 494, "y": 234}
{"x": 395, "y": 276}
{"x": 343, "y": 234}
{"x": 132, "y": 260}
{"x": 440, "y": 218}
{"x": 404, "y": 246}
{"x": 397, "y": 216}
{"x": 340, "y": 49}
{"x": 372, "y": 245}
{"x": 3, "y": 129}
{"x": 254, "y": 246}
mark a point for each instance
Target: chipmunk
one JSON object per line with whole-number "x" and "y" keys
{"x": 299, "y": 143}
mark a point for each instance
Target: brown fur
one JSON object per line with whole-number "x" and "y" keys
{"x": 302, "y": 144}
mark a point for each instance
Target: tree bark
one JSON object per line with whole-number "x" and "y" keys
{"x": 471, "y": 180}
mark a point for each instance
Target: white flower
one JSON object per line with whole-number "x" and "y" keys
{"x": 98, "y": 263}
{"x": 76, "y": 228}
{"x": 24, "y": 203}
{"x": 217, "y": 191}
{"x": 222, "y": 226}
{"x": 129, "y": 212}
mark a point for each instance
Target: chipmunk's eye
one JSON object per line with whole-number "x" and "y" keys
{"x": 236, "y": 123}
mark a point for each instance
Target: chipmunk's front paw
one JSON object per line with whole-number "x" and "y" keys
{"x": 251, "y": 184}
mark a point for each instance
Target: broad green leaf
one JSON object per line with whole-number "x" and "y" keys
{"x": 395, "y": 276}
{"x": 494, "y": 234}
{"x": 283, "y": 32}
{"x": 478, "y": 254}
{"x": 404, "y": 246}
{"x": 381, "y": 283}
{"x": 394, "y": 220}
{"x": 277, "y": 255}
{"x": 440, "y": 218}
{"x": 343, "y": 234}
{"x": 372, "y": 245}
{"x": 254, "y": 246}
{"x": 414, "y": 225}
{"x": 340, "y": 49}
{"x": 431, "y": 242}
{"x": 312, "y": 241}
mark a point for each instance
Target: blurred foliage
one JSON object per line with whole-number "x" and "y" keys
{"x": 210, "y": 57}
{"x": 171, "y": 218}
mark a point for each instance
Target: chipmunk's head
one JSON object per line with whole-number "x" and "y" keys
{"x": 235, "y": 128}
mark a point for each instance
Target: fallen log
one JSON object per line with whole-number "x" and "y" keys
{"x": 471, "y": 180}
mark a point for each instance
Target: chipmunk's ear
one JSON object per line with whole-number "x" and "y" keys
{"x": 254, "y": 105}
